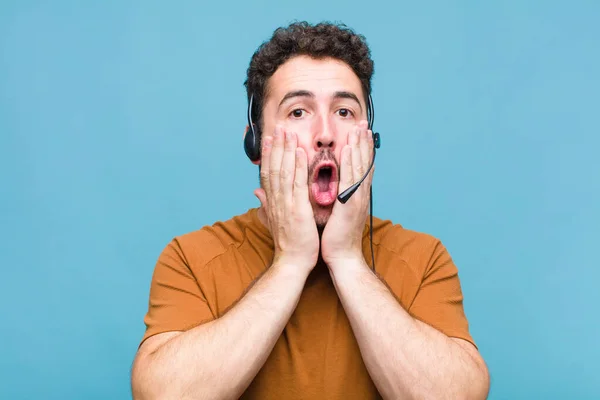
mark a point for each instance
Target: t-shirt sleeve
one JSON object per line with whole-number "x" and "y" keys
{"x": 439, "y": 300}
{"x": 176, "y": 301}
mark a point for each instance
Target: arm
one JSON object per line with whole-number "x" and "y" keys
{"x": 405, "y": 357}
{"x": 219, "y": 359}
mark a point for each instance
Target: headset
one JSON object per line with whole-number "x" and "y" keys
{"x": 252, "y": 149}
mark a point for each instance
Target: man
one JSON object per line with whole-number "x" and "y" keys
{"x": 282, "y": 302}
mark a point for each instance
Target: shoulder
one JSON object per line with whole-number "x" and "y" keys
{"x": 397, "y": 238}
{"x": 200, "y": 247}
{"x": 406, "y": 242}
{"x": 415, "y": 249}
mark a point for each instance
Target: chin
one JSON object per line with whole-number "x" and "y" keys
{"x": 322, "y": 215}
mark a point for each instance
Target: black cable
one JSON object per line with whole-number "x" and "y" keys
{"x": 371, "y": 228}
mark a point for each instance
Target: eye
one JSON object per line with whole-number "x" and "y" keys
{"x": 344, "y": 112}
{"x": 297, "y": 113}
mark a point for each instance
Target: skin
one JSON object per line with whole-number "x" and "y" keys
{"x": 323, "y": 125}
{"x": 220, "y": 358}
{"x": 321, "y": 121}
{"x": 377, "y": 319}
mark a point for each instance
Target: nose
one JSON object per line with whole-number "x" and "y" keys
{"x": 324, "y": 138}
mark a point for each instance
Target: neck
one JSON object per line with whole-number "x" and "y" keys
{"x": 318, "y": 273}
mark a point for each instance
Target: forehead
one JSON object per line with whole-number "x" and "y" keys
{"x": 322, "y": 76}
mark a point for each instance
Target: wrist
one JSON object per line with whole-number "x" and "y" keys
{"x": 347, "y": 264}
{"x": 294, "y": 267}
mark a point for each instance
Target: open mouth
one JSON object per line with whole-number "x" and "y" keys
{"x": 323, "y": 178}
{"x": 324, "y": 187}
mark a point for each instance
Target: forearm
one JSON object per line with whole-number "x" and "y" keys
{"x": 219, "y": 359}
{"x": 405, "y": 357}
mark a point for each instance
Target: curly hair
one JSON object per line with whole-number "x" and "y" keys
{"x": 317, "y": 41}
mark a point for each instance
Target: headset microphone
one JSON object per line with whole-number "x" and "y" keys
{"x": 346, "y": 194}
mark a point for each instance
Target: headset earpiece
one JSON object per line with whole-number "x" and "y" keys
{"x": 252, "y": 138}
{"x": 376, "y": 140}
{"x": 371, "y": 117}
{"x": 252, "y": 143}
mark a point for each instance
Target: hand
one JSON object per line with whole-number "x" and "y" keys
{"x": 342, "y": 236}
{"x": 284, "y": 198}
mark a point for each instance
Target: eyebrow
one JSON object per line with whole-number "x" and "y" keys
{"x": 306, "y": 93}
{"x": 347, "y": 95}
{"x": 296, "y": 93}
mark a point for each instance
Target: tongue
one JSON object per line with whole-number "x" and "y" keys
{"x": 323, "y": 182}
{"x": 324, "y": 191}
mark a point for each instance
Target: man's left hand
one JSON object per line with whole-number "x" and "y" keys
{"x": 342, "y": 236}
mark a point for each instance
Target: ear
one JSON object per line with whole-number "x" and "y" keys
{"x": 257, "y": 162}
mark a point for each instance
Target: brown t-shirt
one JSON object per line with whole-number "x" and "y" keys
{"x": 201, "y": 274}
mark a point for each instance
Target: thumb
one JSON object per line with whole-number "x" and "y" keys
{"x": 262, "y": 196}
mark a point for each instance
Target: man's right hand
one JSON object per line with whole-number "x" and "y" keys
{"x": 285, "y": 200}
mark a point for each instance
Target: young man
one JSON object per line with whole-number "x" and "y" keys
{"x": 282, "y": 302}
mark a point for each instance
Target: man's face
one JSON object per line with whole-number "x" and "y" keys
{"x": 321, "y": 101}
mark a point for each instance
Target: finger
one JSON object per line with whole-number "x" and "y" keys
{"x": 357, "y": 167}
{"x": 262, "y": 197}
{"x": 370, "y": 152}
{"x": 275, "y": 162}
{"x": 288, "y": 166}
{"x": 267, "y": 143}
{"x": 366, "y": 152}
{"x": 366, "y": 148}
{"x": 300, "y": 195}
{"x": 346, "y": 173}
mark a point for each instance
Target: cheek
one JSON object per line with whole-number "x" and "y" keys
{"x": 304, "y": 142}
{"x": 346, "y": 128}
{"x": 343, "y": 137}
{"x": 338, "y": 156}
{"x": 301, "y": 126}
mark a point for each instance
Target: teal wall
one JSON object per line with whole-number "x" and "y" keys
{"x": 121, "y": 126}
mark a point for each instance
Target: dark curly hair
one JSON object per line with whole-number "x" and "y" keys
{"x": 301, "y": 38}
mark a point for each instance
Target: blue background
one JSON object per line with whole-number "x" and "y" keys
{"x": 121, "y": 126}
